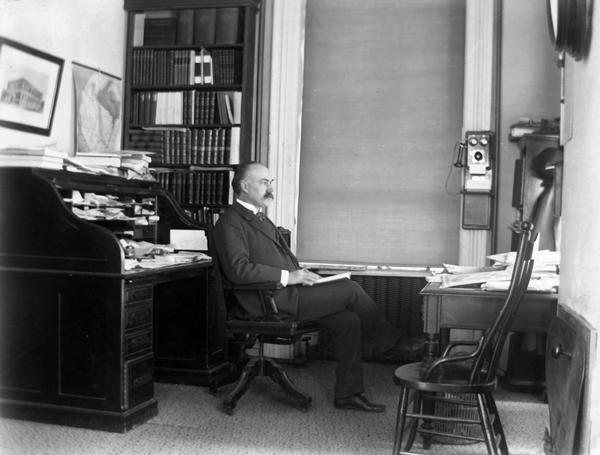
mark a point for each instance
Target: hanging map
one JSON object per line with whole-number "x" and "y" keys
{"x": 97, "y": 111}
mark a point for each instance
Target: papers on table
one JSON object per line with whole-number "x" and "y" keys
{"x": 545, "y": 277}
{"x": 140, "y": 248}
{"x": 538, "y": 283}
{"x": 460, "y": 269}
{"x": 131, "y": 164}
{"x": 45, "y": 156}
{"x": 461, "y": 279}
{"x": 542, "y": 258}
{"x": 147, "y": 255}
{"x": 165, "y": 260}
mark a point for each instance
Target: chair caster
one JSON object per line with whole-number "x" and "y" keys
{"x": 306, "y": 404}
{"x": 228, "y": 407}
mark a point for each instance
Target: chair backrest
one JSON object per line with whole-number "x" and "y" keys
{"x": 216, "y": 284}
{"x": 492, "y": 342}
{"x": 224, "y": 289}
{"x": 221, "y": 285}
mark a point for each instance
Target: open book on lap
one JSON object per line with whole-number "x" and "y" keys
{"x": 339, "y": 276}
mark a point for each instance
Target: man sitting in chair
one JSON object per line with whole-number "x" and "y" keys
{"x": 251, "y": 250}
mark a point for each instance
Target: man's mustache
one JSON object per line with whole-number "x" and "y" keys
{"x": 268, "y": 195}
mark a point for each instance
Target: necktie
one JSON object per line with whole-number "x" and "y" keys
{"x": 261, "y": 216}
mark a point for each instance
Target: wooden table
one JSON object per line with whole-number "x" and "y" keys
{"x": 473, "y": 308}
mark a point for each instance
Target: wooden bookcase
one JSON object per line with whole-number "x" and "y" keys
{"x": 190, "y": 87}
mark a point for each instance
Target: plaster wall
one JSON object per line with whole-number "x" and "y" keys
{"x": 89, "y": 32}
{"x": 580, "y": 240}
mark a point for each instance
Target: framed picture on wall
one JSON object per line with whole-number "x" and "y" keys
{"x": 98, "y": 101}
{"x": 29, "y": 84}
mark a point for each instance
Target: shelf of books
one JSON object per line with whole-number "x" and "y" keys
{"x": 189, "y": 92}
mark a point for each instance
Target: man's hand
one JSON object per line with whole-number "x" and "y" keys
{"x": 303, "y": 276}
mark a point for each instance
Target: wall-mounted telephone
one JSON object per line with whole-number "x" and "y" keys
{"x": 478, "y": 182}
{"x": 478, "y": 171}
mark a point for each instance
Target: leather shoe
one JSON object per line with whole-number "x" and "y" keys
{"x": 357, "y": 402}
{"x": 405, "y": 350}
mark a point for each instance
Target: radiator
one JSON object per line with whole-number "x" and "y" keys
{"x": 399, "y": 299}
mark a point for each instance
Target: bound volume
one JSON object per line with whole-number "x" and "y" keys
{"x": 185, "y": 26}
{"x": 227, "y": 28}
{"x": 160, "y": 29}
{"x": 204, "y": 26}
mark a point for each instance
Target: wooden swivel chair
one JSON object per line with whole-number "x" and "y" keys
{"x": 247, "y": 333}
{"x": 453, "y": 390}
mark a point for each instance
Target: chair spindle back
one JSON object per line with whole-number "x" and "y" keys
{"x": 492, "y": 342}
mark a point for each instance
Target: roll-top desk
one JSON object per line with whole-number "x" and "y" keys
{"x": 82, "y": 339}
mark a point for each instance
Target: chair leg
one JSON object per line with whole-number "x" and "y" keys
{"x": 279, "y": 376}
{"x": 497, "y": 423}
{"x": 400, "y": 420}
{"x": 486, "y": 425}
{"x": 428, "y": 409}
{"x": 248, "y": 374}
{"x": 415, "y": 423}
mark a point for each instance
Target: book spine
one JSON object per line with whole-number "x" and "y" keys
{"x": 207, "y": 68}
{"x": 138, "y": 29}
{"x": 212, "y": 96}
{"x": 160, "y": 31}
{"x": 198, "y": 78}
{"x": 204, "y": 26}
{"x": 185, "y": 27}
{"x": 227, "y": 26}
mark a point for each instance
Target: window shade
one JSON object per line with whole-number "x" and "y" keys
{"x": 382, "y": 111}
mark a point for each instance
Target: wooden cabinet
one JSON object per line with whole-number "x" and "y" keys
{"x": 190, "y": 90}
{"x": 82, "y": 339}
{"x": 571, "y": 344}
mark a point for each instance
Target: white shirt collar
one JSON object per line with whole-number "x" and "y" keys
{"x": 249, "y": 206}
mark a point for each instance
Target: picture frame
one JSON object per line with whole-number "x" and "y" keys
{"x": 29, "y": 86}
{"x": 98, "y": 110}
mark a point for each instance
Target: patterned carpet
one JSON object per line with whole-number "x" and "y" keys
{"x": 190, "y": 421}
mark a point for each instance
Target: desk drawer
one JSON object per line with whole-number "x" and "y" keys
{"x": 138, "y": 293}
{"x": 137, "y": 316}
{"x": 138, "y": 342}
{"x": 533, "y": 315}
{"x": 139, "y": 384}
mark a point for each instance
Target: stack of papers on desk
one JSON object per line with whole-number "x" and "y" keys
{"x": 461, "y": 279}
{"x": 545, "y": 277}
{"x": 131, "y": 164}
{"x": 147, "y": 255}
{"x": 157, "y": 262}
{"x": 46, "y": 156}
{"x": 544, "y": 260}
{"x": 538, "y": 283}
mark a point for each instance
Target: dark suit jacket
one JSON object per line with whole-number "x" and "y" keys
{"x": 250, "y": 251}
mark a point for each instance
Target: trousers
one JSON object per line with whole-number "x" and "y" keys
{"x": 352, "y": 318}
